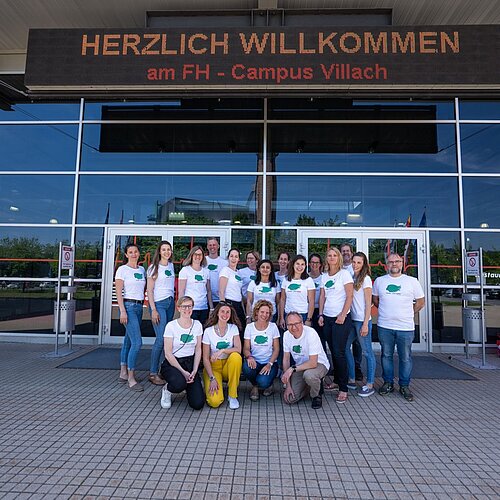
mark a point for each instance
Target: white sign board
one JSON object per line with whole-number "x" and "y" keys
{"x": 472, "y": 264}
{"x": 68, "y": 257}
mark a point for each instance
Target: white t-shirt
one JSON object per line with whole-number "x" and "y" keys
{"x": 280, "y": 277}
{"x": 296, "y": 294}
{"x": 233, "y": 285}
{"x": 247, "y": 275}
{"x": 261, "y": 342}
{"x": 184, "y": 339}
{"x": 196, "y": 285}
{"x": 164, "y": 282}
{"x": 350, "y": 269}
{"x": 264, "y": 291}
{"x": 335, "y": 295}
{"x": 134, "y": 281}
{"x": 317, "y": 284}
{"x": 308, "y": 344}
{"x": 396, "y": 297}
{"x": 216, "y": 342}
{"x": 358, "y": 301}
{"x": 214, "y": 267}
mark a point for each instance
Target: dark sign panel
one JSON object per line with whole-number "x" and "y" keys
{"x": 423, "y": 57}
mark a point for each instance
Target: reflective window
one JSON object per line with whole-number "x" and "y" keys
{"x": 38, "y": 147}
{"x": 246, "y": 240}
{"x": 318, "y": 108}
{"x": 446, "y": 257}
{"x": 164, "y": 147}
{"x": 479, "y": 110}
{"x": 280, "y": 240}
{"x": 480, "y": 146}
{"x": 490, "y": 243}
{"x": 363, "y": 147}
{"x": 31, "y": 252}
{"x": 88, "y": 252}
{"x": 364, "y": 201}
{"x": 88, "y": 300}
{"x": 446, "y": 306}
{"x": 39, "y": 111}
{"x": 158, "y": 199}
{"x": 177, "y": 109}
{"x": 43, "y": 199}
{"x": 481, "y": 197}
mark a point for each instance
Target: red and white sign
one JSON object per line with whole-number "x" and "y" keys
{"x": 472, "y": 264}
{"x": 68, "y": 257}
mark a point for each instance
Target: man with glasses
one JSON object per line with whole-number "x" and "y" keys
{"x": 304, "y": 362}
{"x": 398, "y": 298}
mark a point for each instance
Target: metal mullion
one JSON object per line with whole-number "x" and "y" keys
{"x": 170, "y": 122}
{"x": 176, "y": 173}
{"x": 460, "y": 185}
{"x": 25, "y": 122}
{"x": 77, "y": 177}
{"x": 319, "y": 122}
{"x": 264, "y": 182}
{"x": 360, "y": 174}
{"x": 37, "y": 172}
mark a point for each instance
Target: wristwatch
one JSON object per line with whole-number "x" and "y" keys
{"x": 212, "y": 378}
{"x": 294, "y": 368}
{"x": 308, "y": 319}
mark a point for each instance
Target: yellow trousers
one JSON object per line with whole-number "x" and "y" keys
{"x": 223, "y": 369}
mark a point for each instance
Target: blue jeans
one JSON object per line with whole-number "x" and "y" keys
{"x": 132, "y": 341}
{"x": 402, "y": 339}
{"x": 165, "y": 309}
{"x": 254, "y": 377}
{"x": 366, "y": 346}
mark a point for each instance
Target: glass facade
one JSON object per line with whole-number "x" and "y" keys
{"x": 266, "y": 168}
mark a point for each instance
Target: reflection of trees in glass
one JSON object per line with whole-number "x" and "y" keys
{"x": 278, "y": 240}
{"x": 246, "y": 240}
{"x": 441, "y": 258}
{"x": 307, "y": 220}
{"x": 28, "y": 258}
{"x": 91, "y": 253}
{"x": 377, "y": 255}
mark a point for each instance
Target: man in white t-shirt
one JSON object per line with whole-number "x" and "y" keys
{"x": 398, "y": 298}
{"x": 215, "y": 264}
{"x": 347, "y": 253}
{"x": 304, "y": 362}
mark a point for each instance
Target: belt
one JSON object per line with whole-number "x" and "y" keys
{"x": 134, "y": 301}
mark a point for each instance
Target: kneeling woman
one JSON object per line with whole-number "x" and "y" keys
{"x": 182, "y": 340}
{"x": 261, "y": 350}
{"x": 221, "y": 356}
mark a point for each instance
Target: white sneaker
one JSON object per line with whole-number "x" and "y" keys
{"x": 166, "y": 398}
{"x": 234, "y": 404}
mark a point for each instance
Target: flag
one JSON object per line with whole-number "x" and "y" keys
{"x": 423, "y": 220}
{"x": 407, "y": 246}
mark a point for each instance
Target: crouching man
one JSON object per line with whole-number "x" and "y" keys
{"x": 304, "y": 362}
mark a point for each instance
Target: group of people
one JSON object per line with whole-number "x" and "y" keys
{"x": 266, "y": 324}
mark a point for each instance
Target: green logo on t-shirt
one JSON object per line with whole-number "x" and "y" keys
{"x": 212, "y": 267}
{"x": 237, "y": 277}
{"x": 329, "y": 283}
{"x": 316, "y": 285}
{"x": 198, "y": 277}
{"x": 297, "y": 349}
{"x": 138, "y": 276}
{"x": 293, "y": 286}
{"x": 186, "y": 338}
{"x": 261, "y": 339}
{"x": 393, "y": 288}
{"x": 223, "y": 344}
{"x": 168, "y": 272}
{"x": 265, "y": 289}
{"x": 252, "y": 278}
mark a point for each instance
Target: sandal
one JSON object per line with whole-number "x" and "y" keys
{"x": 342, "y": 397}
{"x": 330, "y": 387}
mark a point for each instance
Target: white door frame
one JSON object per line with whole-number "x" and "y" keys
{"x": 362, "y": 237}
{"x": 166, "y": 233}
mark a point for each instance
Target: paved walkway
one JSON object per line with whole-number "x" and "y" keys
{"x": 79, "y": 434}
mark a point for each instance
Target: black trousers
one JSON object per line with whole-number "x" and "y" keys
{"x": 176, "y": 382}
{"x": 238, "y": 307}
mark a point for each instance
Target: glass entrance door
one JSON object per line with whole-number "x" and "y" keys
{"x": 147, "y": 238}
{"x": 377, "y": 245}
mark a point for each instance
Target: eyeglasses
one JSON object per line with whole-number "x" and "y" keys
{"x": 186, "y": 306}
{"x": 293, "y": 325}
{"x": 315, "y": 262}
{"x": 394, "y": 261}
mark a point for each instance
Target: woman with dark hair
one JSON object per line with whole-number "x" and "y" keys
{"x": 230, "y": 283}
{"x": 297, "y": 291}
{"x": 182, "y": 357}
{"x": 130, "y": 283}
{"x": 221, "y": 356}
{"x": 361, "y": 323}
{"x": 261, "y": 349}
{"x": 283, "y": 261}
{"x": 194, "y": 281}
{"x": 315, "y": 272}
{"x": 334, "y": 305}
{"x": 248, "y": 273}
{"x": 161, "y": 292}
{"x": 265, "y": 287}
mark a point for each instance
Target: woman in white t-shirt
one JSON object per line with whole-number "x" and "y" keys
{"x": 221, "y": 356}
{"x": 182, "y": 341}
{"x": 230, "y": 284}
{"x": 297, "y": 292}
{"x": 361, "y": 323}
{"x": 194, "y": 281}
{"x": 261, "y": 350}
{"x": 335, "y": 299}
{"x": 265, "y": 287}
{"x": 161, "y": 279}
{"x": 283, "y": 261}
{"x": 130, "y": 283}
{"x": 248, "y": 273}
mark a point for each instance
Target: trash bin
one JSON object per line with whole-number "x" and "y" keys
{"x": 471, "y": 317}
{"x": 67, "y": 313}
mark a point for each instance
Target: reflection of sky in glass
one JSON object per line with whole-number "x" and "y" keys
{"x": 479, "y": 110}
{"x": 480, "y": 148}
{"x": 36, "y": 198}
{"x": 481, "y": 205}
{"x": 38, "y": 147}
{"x": 28, "y": 111}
